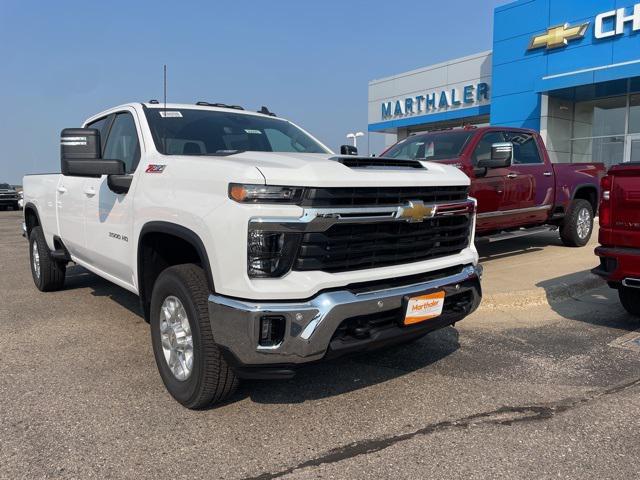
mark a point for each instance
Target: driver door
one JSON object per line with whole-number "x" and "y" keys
{"x": 109, "y": 219}
{"x": 488, "y": 187}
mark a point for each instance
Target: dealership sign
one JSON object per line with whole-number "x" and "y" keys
{"x": 437, "y": 101}
{"x": 608, "y": 24}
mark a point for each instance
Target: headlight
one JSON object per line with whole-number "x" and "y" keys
{"x": 270, "y": 254}
{"x": 264, "y": 193}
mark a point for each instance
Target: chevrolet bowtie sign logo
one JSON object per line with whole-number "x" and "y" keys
{"x": 558, "y": 36}
{"x": 415, "y": 211}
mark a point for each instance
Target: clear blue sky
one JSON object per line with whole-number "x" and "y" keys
{"x": 63, "y": 61}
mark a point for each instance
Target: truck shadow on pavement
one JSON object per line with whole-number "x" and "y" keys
{"x": 516, "y": 246}
{"x": 348, "y": 374}
{"x": 584, "y": 297}
{"x": 79, "y": 277}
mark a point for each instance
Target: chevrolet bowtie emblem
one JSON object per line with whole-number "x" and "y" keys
{"x": 558, "y": 36}
{"x": 416, "y": 211}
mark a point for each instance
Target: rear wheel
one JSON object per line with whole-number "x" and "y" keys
{"x": 578, "y": 224}
{"x": 48, "y": 274}
{"x": 630, "y": 299}
{"x": 189, "y": 361}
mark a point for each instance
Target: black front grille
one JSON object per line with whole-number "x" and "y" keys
{"x": 347, "y": 247}
{"x": 385, "y": 196}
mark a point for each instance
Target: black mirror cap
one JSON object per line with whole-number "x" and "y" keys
{"x": 348, "y": 150}
{"x": 92, "y": 168}
{"x": 501, "y": 156}
{"x": 80, "y": 143}
{"x": 119, "y": 184}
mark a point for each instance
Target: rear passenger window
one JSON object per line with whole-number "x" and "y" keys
{"x": 525, "y": 148}
{"x": 122, "y": 143}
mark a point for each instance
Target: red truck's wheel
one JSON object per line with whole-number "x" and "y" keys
{"x": 189, "y": 361}
{"x": 630, "y": 299}
{"x": 577, "y": 226}
{"x": 48, "y": 274}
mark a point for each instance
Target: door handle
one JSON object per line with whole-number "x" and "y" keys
{"x": 512, "y": 175}
{"x": 61, "y": 189}
{"x": 89, "y": 191}
{"x": 547, "y": 174}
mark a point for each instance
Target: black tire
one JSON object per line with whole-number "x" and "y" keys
{"x": 52, "y": 273}
{"x": 569, "y": 231}
{"x": 630, "y": 299}
{"x": 211, "y": 379}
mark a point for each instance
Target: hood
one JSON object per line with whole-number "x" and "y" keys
{"x": 324, "y": 170}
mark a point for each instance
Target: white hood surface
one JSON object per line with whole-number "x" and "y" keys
{"x": 323, "y": 170}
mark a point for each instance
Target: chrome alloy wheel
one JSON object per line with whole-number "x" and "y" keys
{"x": 584, "y": 223}
{"x": 176, "y": 338}
{"x": 35, "y": 259}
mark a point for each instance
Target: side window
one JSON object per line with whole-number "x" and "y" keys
{"x": 525, "y": 149}
{"x": 123, "y": 143}
{"x": 483, "y": 149}
{"x": 101, "y": 125}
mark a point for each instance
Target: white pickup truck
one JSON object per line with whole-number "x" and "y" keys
{"x": 253, "y": 248}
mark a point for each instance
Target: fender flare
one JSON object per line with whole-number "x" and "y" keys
{"x": 592, "y": 186}
{"x": 30, "y": 207}
{"x": 177, "y": 231}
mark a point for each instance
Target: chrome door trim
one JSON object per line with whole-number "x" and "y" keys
{"x": 500, "y": 213}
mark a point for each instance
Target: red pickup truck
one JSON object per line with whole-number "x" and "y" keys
{"x": 519, "y": 190}
{"x": 619, "y": 237}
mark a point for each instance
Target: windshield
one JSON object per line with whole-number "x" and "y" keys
{"x": 209, "y": 132}
{"x": 431, "y": 146}
{"x": 5, "y": 186}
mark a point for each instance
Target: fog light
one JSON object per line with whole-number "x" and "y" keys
{"x": 272, "y": 329}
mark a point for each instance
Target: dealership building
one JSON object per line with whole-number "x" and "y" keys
{"x": 569, "y": 69}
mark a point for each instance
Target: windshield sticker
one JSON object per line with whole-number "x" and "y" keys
{"x": 170, "y": 114}
{"x": 256, "y": 132}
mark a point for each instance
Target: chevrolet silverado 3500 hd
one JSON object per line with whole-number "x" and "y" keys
{"x": 253, "y": 248}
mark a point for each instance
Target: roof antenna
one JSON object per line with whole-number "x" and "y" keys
{"x": 164, "y": 130}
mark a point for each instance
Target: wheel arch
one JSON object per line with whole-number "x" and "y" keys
{"x": 31, "y": 217}
{"x": 588, "y": 192}
{"x": 164, "y": 244}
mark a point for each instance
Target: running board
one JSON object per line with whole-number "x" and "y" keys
{"x": 523, "y": 232}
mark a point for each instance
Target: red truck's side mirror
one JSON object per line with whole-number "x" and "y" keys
{"x": 501, "y": 156}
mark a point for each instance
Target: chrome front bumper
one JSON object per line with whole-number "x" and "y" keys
{"x": 311, "y": 324}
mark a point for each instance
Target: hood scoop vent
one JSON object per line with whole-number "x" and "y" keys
{"x": 378, "y": 163}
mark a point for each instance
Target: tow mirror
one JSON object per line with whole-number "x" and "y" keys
{"x": 348, "y": 150}
{"x": 80, "y": 154}
{"x": 501, "y": 156}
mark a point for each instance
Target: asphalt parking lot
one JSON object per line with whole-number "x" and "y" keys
{"x": 546, "y": 389}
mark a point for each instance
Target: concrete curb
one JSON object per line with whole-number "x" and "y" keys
{"x": 540, "y": 296}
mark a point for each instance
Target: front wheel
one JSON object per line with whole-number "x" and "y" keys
{"x": 630, "y": 299}
{"x": 189, "y": 361}
{"x": 578, "y": 224}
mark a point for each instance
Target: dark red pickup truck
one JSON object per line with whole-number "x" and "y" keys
{"x": 519, "y": 190}
{"x": 619, "y": 249}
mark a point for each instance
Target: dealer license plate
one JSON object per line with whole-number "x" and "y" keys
{"x": 424, "y": 307}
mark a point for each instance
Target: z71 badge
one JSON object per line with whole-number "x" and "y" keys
{"x": 155, "y": 168}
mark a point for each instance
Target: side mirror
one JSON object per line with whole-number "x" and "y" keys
{"x": 80, "y": 154}
{"x": 501, "y": 156}
{"x": 348, "y": 150}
